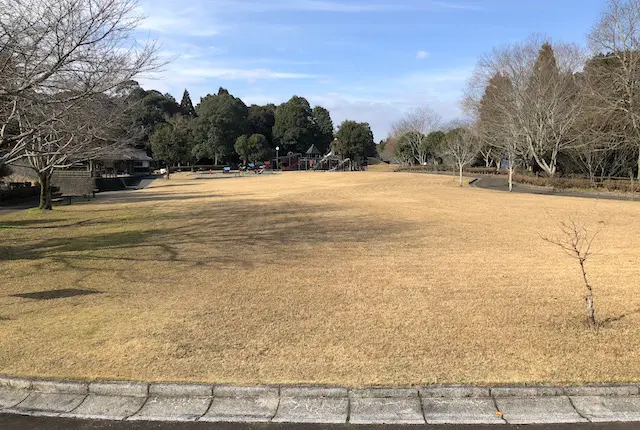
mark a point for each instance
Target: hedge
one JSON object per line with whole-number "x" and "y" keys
{"x": 561, "y": 183}
{"x": 19, "y": 193}
{"x": 439, "y": 169}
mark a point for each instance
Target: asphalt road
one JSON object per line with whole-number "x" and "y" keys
{"x": 500, "y": 183}
{"x": 42, "y": 423}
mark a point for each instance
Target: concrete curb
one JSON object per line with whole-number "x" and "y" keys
{"x": 121, "y": 400}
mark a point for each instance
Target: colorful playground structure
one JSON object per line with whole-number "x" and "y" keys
{"x": 313, "y": 159}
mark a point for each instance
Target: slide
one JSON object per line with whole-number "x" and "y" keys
{"x": 324, "y": 159}
{"x": 341, "y": 165}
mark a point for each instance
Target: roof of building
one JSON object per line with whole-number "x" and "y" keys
{"x": 126, "y": 155}
{"x": 313, "y": 150}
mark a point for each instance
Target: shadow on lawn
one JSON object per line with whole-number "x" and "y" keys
{"x": 215, "y": 225}
{"x": 608, "y": 321}
{"x": 163, "y": 186}
{"x": 31, "y": 223}
{"x": 133, "y": 197}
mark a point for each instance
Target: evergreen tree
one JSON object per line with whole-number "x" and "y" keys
{"x": 186, "y": 107}
{"x": 152, "y": 109}
{"x": 222, "y": 118}
{"x": 262, "y": 119}
{"x": 294, "y": 128}
{"x": 252, "y": 149}
{"x": 356, "y": 140}
{"x": 172, "y": 142}
{"x": 324, "y": 128}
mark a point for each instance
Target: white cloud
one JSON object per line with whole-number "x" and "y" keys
{"x": 191, "y": 22}
{"x": 379, "y": 113}
{"x": 334, "y": 6}
{"x": 266, "y": 76}
{"x": 244, "y": 74}
{"x": 161, "y": 19}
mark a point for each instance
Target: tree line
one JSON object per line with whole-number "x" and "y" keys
{"x": 68, "y": 94}
{"x": 221, "y": 129}
{"x": 546, "y": 107}
{"x": 65, "y": 73}
{"x": 552, "y": 108}
{"x": 421, "y": 137}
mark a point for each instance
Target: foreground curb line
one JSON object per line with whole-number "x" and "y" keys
{"x": 121, "y": 400}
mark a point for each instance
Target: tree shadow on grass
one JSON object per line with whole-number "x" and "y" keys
{"x": 31, "y": 223}
{"x": 217, "y": 225}
{"x": 125, "y": 197}
{"x": 609, "y": 321}
{"x": 163, "y": 186}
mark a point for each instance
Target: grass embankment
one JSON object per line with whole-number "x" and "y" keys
{"x": 349, "y": 278}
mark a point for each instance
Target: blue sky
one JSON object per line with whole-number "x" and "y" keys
{"x": 363, "y": 60}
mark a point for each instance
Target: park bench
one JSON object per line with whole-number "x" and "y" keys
{"x": 67, "y": 198}
{"x": 59, "y": 197}
{"x": 74, "y": 185}
{"x": 16, "y": 185}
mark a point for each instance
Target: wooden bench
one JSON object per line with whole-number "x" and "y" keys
{"x": 58, "y": 197}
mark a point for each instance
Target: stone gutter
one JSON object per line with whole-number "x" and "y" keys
{"x": 117, "y": 400}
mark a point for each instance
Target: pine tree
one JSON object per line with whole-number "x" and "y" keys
{"x": 186, "y": 106}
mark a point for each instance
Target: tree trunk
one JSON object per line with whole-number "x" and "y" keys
{"x": 591, "y": 312}
{"x": 510, "y": 178}
{"x": 639, "y": 164}
{"x": 168, "y": 172}
{"x": 588, "y": 298}
{"x": 45, "y": 191}
{"x": 460, "y": 175}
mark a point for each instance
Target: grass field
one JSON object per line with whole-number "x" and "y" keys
{"x": 346, "y": 278}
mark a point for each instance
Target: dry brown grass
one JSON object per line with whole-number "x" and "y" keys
{"x": 357, "y": 278}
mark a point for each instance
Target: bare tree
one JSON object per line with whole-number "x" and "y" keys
{"x": 615, "y": 72}
{"x": 492, "y": 102}
{"x": 54, "y": 56}
{"x": 551, "y": 105}
{"x": 402, "y": 152}
{"x": 526, "y": 99}
{"x": 576, "y": 240}
{"x": 462, "y": 145}
{"x": 487, "y": 152}
{"x": 414, "y": 127}
{"x": 95, "y": 127}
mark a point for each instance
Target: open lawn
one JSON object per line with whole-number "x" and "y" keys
{"x": 355, "y": 279}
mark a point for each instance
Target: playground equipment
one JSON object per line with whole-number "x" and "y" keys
{"x": 327, "y": 162}
{"x": 344, "y": 165}
{"x": 312, "y": 160}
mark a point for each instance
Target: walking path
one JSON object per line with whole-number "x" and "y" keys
{"x": 19, "y": 206}
{"x": 33, "y": 203}
{"x": 500, "y": 183}
{"x": 133, "y": 401}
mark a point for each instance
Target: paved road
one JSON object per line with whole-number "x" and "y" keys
{"x": 500, "y": 183}
{"x": 43, "y": 423}
{"x": 20, "y": 206}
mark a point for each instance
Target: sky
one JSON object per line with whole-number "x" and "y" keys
{"x": 364, "y": 60}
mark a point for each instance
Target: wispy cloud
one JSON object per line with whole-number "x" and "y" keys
{"x": 244, "y": 74}
{"x": 421, "y": 55}
{"x": 457, "y": 5}
{"x": 335, "y": 6}
{"x": 168, "y": 22}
